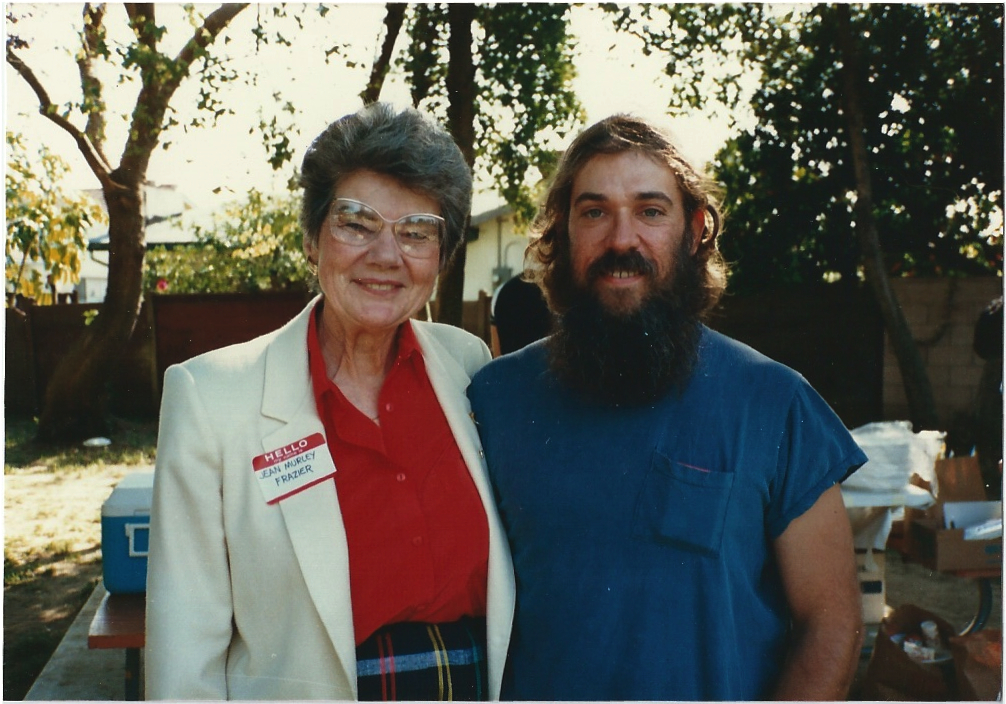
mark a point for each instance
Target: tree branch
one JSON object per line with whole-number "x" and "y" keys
{"x": 214, "y": 23}
{"x": 158, "y": 86}
{"x": 393, "y": 23}
{"x": 95, "y": 161}
{"x": 91, "y": 88}
{"x": 918, "y": 388}
{"x": 142, "y": 20}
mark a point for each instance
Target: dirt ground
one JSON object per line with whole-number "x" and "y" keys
{"x": 52, "y": 561}
{"x": 953, "y": 598}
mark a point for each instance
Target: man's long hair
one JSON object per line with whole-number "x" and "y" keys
{"x": 615, "y": 135}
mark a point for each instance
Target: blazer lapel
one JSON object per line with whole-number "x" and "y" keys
{"x": 313, "y": 518}
{"x": 450, "y": 382}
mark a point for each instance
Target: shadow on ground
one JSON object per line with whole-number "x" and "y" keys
{"x": 37, "y": 612}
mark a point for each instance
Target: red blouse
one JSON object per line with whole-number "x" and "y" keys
{"x": 417, "y": 531}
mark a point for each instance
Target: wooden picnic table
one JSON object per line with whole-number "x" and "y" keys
{"x": 120, "y": 622}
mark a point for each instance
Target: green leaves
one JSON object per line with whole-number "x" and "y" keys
{"x": 524, "y": 69}
{"x": 45, "y": 223}
{"x": 254, "y": 245}
{"x": 931, "y": 84}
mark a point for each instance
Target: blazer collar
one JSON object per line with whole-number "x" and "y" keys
{"x": 312, "y": 517}
{"x": 287, "y": 377}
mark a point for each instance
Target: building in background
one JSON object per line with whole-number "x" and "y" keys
{"x": 496, "y": 253}
{"x": 164, "y": 206}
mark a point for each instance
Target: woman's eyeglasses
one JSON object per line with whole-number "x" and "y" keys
{"x": 357, "y": 224}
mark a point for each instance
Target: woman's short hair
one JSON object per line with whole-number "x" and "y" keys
{"x": 405, "y": 145}
{"x": 615, "y": 135}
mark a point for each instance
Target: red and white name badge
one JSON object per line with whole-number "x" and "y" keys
{"x": 293, "y": 468}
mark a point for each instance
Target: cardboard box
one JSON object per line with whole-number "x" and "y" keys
{"x": 946, "y": 550}
{"x": 978, "y": 665}
{"x": 125, "y": 534}
{"x": 870, "y": 570}
{"x": 936, "y": 536}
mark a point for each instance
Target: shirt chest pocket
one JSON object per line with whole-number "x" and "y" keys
{"x": 683, "y": 505}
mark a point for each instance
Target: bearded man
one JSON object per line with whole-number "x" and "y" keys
{"x": 670, "y": 495}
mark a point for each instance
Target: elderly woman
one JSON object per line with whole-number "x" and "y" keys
{"x": 322, "y": 526}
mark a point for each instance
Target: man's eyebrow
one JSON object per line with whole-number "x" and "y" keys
{"x": 590, "y": 196}
{"x": 655, "y": 195}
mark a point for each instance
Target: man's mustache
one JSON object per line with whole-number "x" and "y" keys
{"x": 632, "y": 262}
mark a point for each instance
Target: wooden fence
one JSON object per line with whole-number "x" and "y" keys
{"x": 833, "y": 335}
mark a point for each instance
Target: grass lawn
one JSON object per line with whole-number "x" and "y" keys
{"x": 52, "y": 536}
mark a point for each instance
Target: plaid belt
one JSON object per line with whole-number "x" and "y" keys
{"x": 424, "y": 662}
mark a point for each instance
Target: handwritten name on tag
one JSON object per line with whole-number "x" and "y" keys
{"x": 293, "y": 468}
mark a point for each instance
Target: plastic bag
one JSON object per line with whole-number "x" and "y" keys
{"x": 895, "y": 453}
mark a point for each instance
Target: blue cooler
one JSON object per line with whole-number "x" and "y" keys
{"x": 125, "y": 534}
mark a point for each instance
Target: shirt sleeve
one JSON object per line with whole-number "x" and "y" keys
{"x": 189, "y": 608}
{"x": 816, "y": 451}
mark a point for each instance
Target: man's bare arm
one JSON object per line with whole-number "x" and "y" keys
{"x": 817, "y": 563}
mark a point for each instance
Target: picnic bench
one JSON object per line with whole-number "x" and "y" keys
{"x": 120, "y": 622}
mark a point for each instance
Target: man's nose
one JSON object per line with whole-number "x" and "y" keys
{"x": 623, "y": 235}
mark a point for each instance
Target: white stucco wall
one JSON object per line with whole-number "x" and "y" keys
{"x": 498, "y": 243}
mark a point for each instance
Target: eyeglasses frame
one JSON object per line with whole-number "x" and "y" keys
{"x": 394, "y": 227}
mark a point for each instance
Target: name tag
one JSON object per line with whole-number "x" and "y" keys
{"x": 293, "y": 468}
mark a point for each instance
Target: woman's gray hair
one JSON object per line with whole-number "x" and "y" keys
{"x": 406, "y": 146}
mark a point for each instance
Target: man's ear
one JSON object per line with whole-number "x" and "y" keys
{"x": 698, "y": 228}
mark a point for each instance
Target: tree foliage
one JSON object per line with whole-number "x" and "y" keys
{"x": 502, "y": 73}
{"x": 877, "y": 149}
{"x": 931, "y": 80}
{"x": 45, "y": 223}
{"x": 523, "y": 96}
{"x": 252, "y": 246}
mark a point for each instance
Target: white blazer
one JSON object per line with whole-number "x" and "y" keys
{"x": 251, "y": 601}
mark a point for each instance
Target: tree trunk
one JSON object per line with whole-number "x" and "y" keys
{"x": 918, "y": 390}
{"x": 461, "y": 121}
{"x": 76, "y": 398}
{"x": 393, "y": 26}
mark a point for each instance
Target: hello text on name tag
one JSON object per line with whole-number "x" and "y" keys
{"x": 293, "y": 468}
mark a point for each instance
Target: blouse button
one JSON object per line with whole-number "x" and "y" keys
{"x": 387, "y": 406}
{"x": 400, "y": 476}
{"x": 418, "y": 540}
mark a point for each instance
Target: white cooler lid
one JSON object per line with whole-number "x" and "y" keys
{"x": 131, "y": 497}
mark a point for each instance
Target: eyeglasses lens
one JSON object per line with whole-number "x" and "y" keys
{"x": 358, "y": 224}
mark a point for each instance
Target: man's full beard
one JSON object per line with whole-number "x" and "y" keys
{"x": 634, "y": 358}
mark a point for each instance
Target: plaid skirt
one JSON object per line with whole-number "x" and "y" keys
{"x": 424, "y": 662}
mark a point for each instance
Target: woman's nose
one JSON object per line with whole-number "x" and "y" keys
{"x": 385, "y": 247}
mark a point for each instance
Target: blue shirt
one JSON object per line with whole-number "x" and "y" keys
{"x": 642, "y": 537}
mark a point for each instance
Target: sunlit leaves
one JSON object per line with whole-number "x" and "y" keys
{"x": 45, "y": 223}
{"x": 524, "y": 71}
{"x": 932, "y": 89}
{"x": 253, "y": 246}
